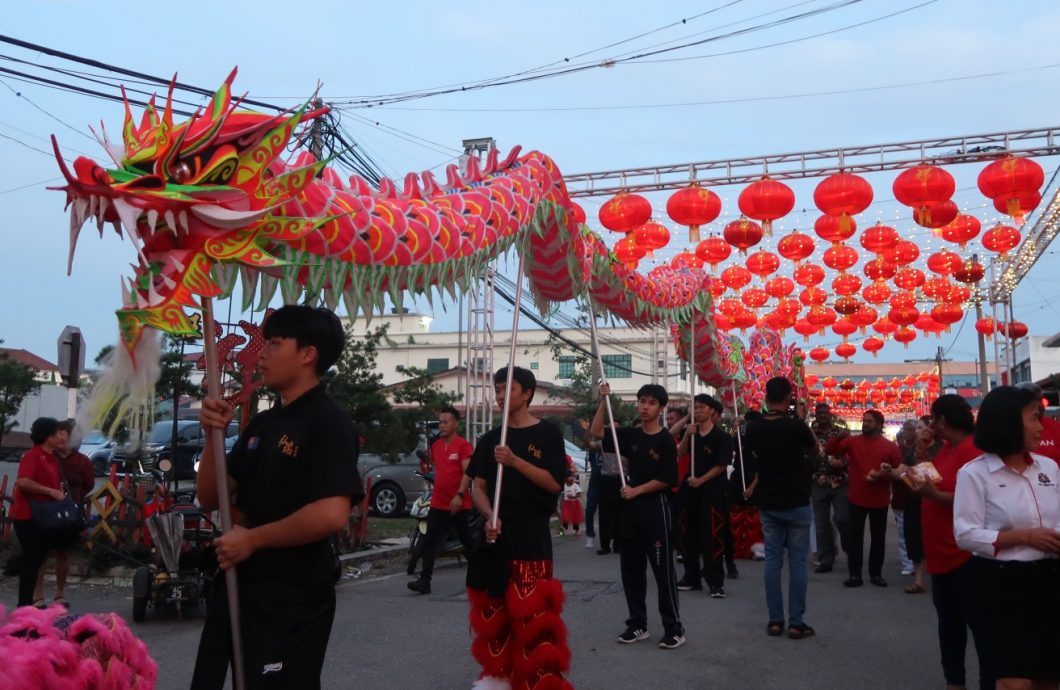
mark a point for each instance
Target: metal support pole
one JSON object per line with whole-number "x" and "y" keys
{"x": 607, "y": 399}
{"x": 984, "y": 381}
{"x": 739, "y": 438}
{"x": 213, "y": 383}
{"x": 997, "y": 333}
{"x": 508, "y": 390}
{"x": 692, "y": 392}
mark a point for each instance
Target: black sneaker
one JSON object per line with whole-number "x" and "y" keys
{"x": 853, "y": 582}
{"x": 672, "y": 641}
{"x": 420, "y": 586}
{"x": 823, "y": 568}
{"x": 684, "y": 585}
{"x": 731, "y": 571}
{"x": 717, "y": 592}
{"x": 878, "y": 581}
{"x": 632, "y": 635}
{"x": 603, "y": 552}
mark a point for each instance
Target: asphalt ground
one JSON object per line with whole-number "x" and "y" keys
{"x": 388, "y": 638}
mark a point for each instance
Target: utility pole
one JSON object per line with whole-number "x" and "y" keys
{"x": 316, "y": 135}
{"x": 984, "y": 383}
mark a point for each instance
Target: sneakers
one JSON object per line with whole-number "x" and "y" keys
{"x": 684, "y": 585}
{"x": 731, "y": 571}
{"x": 590, "y": 542}
{"x": 632, "y": 635}
{"x": 420, "y": 586}
{"x": 907, "y": 571}
{"x": 853, "y": 582}
{"x": 878, "y": 581}
{"x": 672, "y": 641}
{"x": 823, "y": 568}
{"x": 717, "y": 592}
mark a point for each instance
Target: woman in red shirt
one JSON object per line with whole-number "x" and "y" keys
{"x": 952, "y": 585}
{"x": 38, "y": 480}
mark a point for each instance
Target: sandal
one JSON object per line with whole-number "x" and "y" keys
{"x": 914, "y": 589}
{"x": 40, "y": 604}
{"x": 775, "y": 628}
{"x": 61, "y": 601}
{"x": 800, "y": 630}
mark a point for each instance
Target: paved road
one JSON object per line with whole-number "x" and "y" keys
{"x": 385, "y": 638}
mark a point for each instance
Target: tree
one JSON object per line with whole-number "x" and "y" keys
{"x": 16, "y": 382}
{"x": 582, "y": 388}
{"x": 420, "y": 389}
{"x": 358, "y": 388}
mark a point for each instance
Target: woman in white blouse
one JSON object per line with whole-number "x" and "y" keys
{"x": 1006, "y": 511}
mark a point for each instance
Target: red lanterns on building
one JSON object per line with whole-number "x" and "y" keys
{"x": 1007, "y": 179}
{"x": 743, "y": 234}
{"x": 625, "y": 212}
{"x": 693, "y": 206}
{"x": 713, "y": 250}
{"x": 1001, "y": 239}
{"x": 843, "y": 195}
{"x": 795, "y": 246}
{"x": 766, "y": 200}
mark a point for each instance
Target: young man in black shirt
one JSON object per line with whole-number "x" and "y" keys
{"x": 645, "y": 518}
{"x": 519, "y": 636}
{"x": 293, "y": 477}
{"x": 706, "y": 504}
{"x": 783, "y": 447}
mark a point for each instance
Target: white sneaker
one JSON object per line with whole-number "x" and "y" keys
{"x": 907, "y": 571}
{"x": 590, "y": 543}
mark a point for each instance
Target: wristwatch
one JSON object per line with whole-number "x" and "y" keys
{"x": 460, "y": 493}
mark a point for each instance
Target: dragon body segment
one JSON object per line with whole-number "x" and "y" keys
{"x": 211, "y": 200}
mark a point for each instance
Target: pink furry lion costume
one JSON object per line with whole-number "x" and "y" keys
{"x": 50, "y": 649}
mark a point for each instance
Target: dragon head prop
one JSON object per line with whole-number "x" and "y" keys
{"x": 187, "y": 196}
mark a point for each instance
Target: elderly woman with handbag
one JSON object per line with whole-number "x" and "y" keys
{"x": 38, "y": 490}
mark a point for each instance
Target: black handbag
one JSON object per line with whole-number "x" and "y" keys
{"x": 65, "y": 515}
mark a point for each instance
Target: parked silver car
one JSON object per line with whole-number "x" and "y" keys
{"x": 395, "y": 485}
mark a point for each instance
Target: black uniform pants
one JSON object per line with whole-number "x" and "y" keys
{"x": 706, "y": 525}
{"x": 647, "y": 539}
{"x": 877, "y": 518}
{"x": 608, "y": 505}
{"x": 286, "y": 626}
{"x": 33, "y": 542}
{"x": 953, "y": 595}
{"x": 439, "y": 522}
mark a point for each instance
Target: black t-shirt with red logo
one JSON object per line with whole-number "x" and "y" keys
{"x": 287, "y": 458}
{"x": 651, "y": 456}
{"x": 541, "y": 445}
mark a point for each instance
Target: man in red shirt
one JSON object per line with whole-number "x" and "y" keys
{"x": 952, "y": 577}
{"x": 868, "y": 493}
{"x": 1049, "y": 445}
{"x": 451, "y": 500}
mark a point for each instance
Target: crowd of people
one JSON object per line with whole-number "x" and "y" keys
{"x": 976, "y": 501}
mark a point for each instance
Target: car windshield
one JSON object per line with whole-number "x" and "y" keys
{"x": 94, "y": 438}
{"x": 163, "y": 432}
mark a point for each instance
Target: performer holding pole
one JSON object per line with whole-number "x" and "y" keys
{"x": 606, "y": 398}
{"x": 293, "y": 473}
{"x": 519, "y": 637}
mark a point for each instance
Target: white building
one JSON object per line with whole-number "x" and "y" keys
{"x": 1037, "y": 358}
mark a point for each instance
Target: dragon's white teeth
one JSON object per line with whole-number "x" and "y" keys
{"x": 153, "y": 298}
{"x": 171, "y": 221}
{"x": 75, "y": 230}
{"x": 178, "y": 263}
{"x": 128, "y": 215}
{"x": 101, "y": 213}
{"x": 152, "y": 220}
{"x": 141, "y": 301}
{"x": 169, "y": 282}
{"x": 80, "y": 207}
{"x": 126, "y": 298}
{"x": 182, "y": 217}
{"x": 93, "y": 206}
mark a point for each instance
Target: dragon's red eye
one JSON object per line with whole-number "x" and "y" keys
{"x": 181, "y": 173}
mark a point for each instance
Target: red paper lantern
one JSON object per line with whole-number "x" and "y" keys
{"x": 820, "y": 354}
{"x": 829, "y": 228}
{"x": 1027, "y": 203}
{"x": 763, "y": 263}
{"x": 717, "y": 288}
{"x": 864, "y": 317}
{"x": 795, "y": 246}
{"x": 743, "y": 233}
{"x": 937, "y": 288}
{"x": 873, "y": 345}
{"x": 804, "y": 328}
{"x": 625, "y": 212}
{"x": 808, "y": 275}
{"x": 844, "y": 327}
{"x": 744, "y": 320}
{"x": 936, "y": 215}
{"x": 962, "y": 230}
{"x": 902, "y": 254}
{"x": 713, "y": 250}
{"x": 884, "y": 326}
{"x": 693, "y": 206}
{"x": 780, "y": 287}
{"x": 846, "y": 305}
{"x": 828, "y": 382}
{"x": 947, "y": 314}
{"x": 822, "y": 317}
{"x": 879, "y": 269}
{"x": 629, "y": 252}
{"x": 766, "y": 200}
{"x": 722, "y": 322}
{"x": 876, "y": 293}
{"x": 1007, "y": 179}
{"x": 845, "y": 350}
{"x": 904, "y": 336}
{"x": 652, "y": 236}
{"x": 730, "y": 307}
{"x": 985, "y": 326}
{"x": 909, "y": 278}
{"x": 957, "y": 294}
{"x": 903, "y": 316}
{"x": 754, "y": 297}
{"x": 1013, "y": 329}
{"x": 923, "y": 186}
{"x": 843, "y": 195}
{"x": 736, "y": 277}
{"x": 903, "y": 299}
{"x": 1001, "y": 239}
{"x": 847, "y": 384}
{"x": 943, "y": 262}
{"x": 970, "y": 271}
{"x": 687, "y": 259}
{"x": 846, "y": 284}
{"x": 813, "y": 296}
{"x": 879, "y": 238}
{"x": 578, "y": 212}
{"x": 840, "y": 257}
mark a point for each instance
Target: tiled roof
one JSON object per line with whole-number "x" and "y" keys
{"x": 29, "y": 359}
